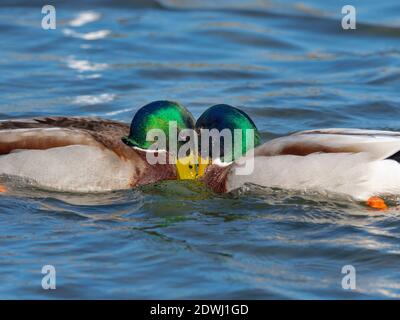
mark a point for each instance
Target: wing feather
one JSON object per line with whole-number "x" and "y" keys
{"x": 51, "y": 132}
{"x": 378, "y": 144}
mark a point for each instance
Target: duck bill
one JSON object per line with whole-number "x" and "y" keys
{"x": 191, "y": 167}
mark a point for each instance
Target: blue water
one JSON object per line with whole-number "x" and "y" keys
{"x": 289, "y": 64}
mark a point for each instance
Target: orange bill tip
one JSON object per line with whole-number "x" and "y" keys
{"x": 377, "y": 203}
{"x": 2, "y": 188}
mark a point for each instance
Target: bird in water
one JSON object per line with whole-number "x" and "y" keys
{"x": 92, "y": 154}
{"x": 89, "y": 154}
{"x": 362, "y": 164}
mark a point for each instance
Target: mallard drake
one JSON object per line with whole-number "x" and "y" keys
{"x": 88, "y": 154}
{"x": 362, "y": 164}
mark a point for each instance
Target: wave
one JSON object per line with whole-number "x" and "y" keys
{"x": 84, "y": 3}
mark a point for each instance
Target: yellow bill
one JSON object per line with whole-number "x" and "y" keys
{"x": 188, "y": 168}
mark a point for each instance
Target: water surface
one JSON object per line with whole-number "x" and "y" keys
{"x": 288, "y": 64}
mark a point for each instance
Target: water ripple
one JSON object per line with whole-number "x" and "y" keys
{"x": 290, "y": 65}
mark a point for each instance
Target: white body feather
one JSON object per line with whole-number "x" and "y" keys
{"x": 361, "y": 171}
{"x": 76, "y": 168}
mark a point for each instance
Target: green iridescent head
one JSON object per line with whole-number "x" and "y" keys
{"x": 223, "y": 116}
{"x": 157, "y": 115}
